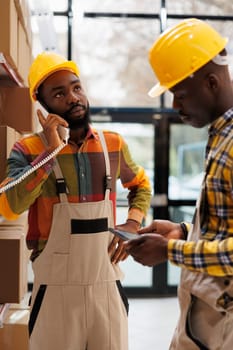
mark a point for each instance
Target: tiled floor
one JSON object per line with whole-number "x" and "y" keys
{"x": 152, "y": 322}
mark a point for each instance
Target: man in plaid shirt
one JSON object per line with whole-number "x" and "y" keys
{"x": 190, "y": 60}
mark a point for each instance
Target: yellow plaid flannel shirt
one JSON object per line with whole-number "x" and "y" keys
{"x": 213, "y": 252}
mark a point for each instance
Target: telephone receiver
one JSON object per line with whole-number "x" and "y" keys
{"x": 64, "y": 133}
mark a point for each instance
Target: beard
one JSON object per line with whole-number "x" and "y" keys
{"x": 79, "y": 123}
{"x": 74, "y": 124}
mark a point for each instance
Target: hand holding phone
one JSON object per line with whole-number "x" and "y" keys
{"x": 124, "y": 234}
{"x": 55, "y": 128}
{"x": 63, "y": 133}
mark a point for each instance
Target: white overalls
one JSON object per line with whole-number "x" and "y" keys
{"x": 206, "y": 304}
{"x": 77, "y": 299}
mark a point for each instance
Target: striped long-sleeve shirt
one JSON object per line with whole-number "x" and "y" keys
{"x": 83, "y": 168}
{"x": 213, "y": 252}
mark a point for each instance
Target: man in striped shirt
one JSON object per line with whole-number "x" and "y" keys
{"x": 69, "y": 187}
{"x": 190, "y": 60}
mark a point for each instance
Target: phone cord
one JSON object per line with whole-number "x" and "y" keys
{"x": 34, "y": 168}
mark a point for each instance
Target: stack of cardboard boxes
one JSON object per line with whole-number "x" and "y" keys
{"x": 14, "y": 333}
{"x": 17, "y": 114}
{"x": 17, "y": 117}
{"x": 14, "y": 259}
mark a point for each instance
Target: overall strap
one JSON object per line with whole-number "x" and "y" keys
{"x": 60, "y": 180}
{"x": 62, "y": 189}
{"x": 107, "y": 164}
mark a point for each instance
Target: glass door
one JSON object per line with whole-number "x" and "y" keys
{"x": 140, "y": 140}
{"x": 173, "y": 156}
{"x": 179, "y": 164}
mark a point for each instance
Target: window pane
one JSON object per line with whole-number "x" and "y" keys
{"x": 136, "y": 275}
{"x": 135, "y": 135}
{"x": 146, "y": 6}
{"x": 181, "y": 213}
{"x": 61, "y": 28}
{"x": 187, "y": 149}
{"x": 173, "y": 274}
{"x": 140, "y": 140}
{"x": 58, "y": 6}
{"x": 48, "y": 5}
{"x": 113, "y": 57}
{"x": 201, "y": 7}
{"x": 50, "y": 33}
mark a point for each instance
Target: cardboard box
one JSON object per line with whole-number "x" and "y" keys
{"x": 24, "y": 16}
{"x": 8, "y": 136}
{"x": 24, "y": 54}
{"x": 19, "y": 225}
{"x": 8, "y": 31}
{"x": 14, "y": 333}
{"x": 16, "y": 109}
{"x": 9, "y": 76}
{"x": 12, "y": 265}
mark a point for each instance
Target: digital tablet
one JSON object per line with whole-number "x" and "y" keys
{"x": 123, "y": 234}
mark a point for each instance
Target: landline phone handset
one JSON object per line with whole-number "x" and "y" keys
{"x": 64, "y": 135}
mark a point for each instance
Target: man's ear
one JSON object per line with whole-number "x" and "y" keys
{"x": 213, "y": 82}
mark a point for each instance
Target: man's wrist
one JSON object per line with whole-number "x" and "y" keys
{"x": 135, "y": 222}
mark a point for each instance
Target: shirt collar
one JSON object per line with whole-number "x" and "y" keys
{"x": 221, "y": 123}
{"x": 91, "y": 133}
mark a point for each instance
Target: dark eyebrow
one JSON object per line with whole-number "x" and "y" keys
{"x": 75, "y": 81}
{"x": 57, "y": 88}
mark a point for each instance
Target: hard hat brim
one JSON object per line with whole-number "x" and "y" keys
{"x": 157, "y": 90}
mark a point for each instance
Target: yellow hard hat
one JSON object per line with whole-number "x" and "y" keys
{"x": 181, "y": 50}
{"x": 44, "y": 65}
